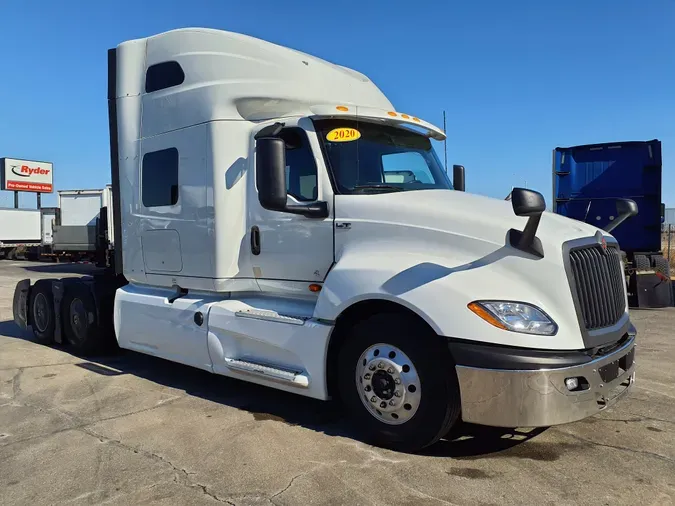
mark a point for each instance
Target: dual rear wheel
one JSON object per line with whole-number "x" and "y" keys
{"x": 78, "y": 316}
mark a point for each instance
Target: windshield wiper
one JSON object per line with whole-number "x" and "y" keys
{"x": 377, "y": 186}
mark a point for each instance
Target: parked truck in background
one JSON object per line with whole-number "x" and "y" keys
{"x": 589, "y": 180}
{"x": 278, "y": 221}
{"x": 75, "y": 228}
{"x": 25, "y": 233}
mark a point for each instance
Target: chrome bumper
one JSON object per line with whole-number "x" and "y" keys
{"x": 539, "y": 398}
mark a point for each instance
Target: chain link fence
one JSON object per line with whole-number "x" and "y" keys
{"x": 668, "y": 245}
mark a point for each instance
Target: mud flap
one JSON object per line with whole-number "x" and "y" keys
{"x": 20, "y": 303}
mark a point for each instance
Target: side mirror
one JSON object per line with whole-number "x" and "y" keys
{"x": 527, "y": 203}
{"x": 458, "y": 177}
{"x": 270, "y": 178}
{"x": 625, "y": 209}
{"x": 270, "y": 173}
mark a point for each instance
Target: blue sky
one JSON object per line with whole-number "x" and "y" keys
{"x": 516, "y": 78}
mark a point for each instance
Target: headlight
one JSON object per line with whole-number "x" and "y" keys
{"x": 515, "y": 316}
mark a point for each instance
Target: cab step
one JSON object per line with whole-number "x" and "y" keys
{"x": 294, "y": 378}
{"x": 272, "y": 316}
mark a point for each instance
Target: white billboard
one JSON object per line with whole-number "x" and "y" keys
{"x": 26, "y": 175}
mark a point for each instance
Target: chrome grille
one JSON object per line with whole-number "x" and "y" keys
{"x": 599, "y": 285}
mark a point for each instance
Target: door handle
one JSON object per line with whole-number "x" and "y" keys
{"x": 255, "y": 240}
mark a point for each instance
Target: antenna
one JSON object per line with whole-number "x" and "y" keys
{"x": 445, "y": 144}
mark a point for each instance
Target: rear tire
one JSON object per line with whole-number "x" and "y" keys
{"x": 41, "y": 311}
{"x": 406, "y": 368}
{"x": 80, "y": 320}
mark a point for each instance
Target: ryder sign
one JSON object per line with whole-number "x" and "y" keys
{"x": 26, "y": 175}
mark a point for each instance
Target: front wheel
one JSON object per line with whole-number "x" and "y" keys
{"x": 398, "y": 381}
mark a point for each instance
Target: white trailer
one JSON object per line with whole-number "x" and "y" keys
{"x": 48, "y": 217}
{"x": 79, "y": 208}
{"x": 20, "y": 230}
{"x": 268, "y": 235}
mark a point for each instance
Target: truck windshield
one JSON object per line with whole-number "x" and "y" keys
{"x": 371, "y": 158}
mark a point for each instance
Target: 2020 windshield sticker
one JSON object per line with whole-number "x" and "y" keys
{"x": 343, "y": 135}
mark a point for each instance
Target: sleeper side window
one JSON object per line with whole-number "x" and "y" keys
{"x": 301, "y": 171}
{"x": 163, "y": 75}
{"x": 159, "y": 178}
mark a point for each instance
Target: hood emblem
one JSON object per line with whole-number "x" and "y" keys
{"x": 601, "y": 240}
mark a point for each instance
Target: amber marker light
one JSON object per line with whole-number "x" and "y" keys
{"x": 486, "y": 315}
{"x": 314, "y": 288}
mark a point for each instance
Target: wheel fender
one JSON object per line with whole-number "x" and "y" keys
{"x": 354, "y": 279}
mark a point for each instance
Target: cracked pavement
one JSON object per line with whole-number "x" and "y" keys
{"x": 131, "y": 429}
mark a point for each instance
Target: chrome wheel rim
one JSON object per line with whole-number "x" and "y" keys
{"x": 388, "y": 384}
{"x": 41, "y": 312}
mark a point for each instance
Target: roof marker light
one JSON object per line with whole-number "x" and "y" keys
{"x": 390, "y": 113}
{"x": 342, "y": 108}
{"x": 416, "y": 119}
{"x": 405, "y": 116}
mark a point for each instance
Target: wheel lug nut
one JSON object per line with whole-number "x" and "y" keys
{"x": 373, "y": 399}
{"x": 397, "y": 381}
{"x": 383, "y": 404}
{"x": 372, "y": 367}
{"x": 390, "y": 370}
{"x": 392, "y": 403}
{"x": 368, "y": 389}
{"x": 397, "y": 393}
{"x": 366, "y": 376}
{"x": 380, "y": 365}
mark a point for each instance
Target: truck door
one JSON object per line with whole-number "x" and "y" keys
{"x": 293, "y": 247}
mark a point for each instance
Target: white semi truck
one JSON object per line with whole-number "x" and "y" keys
{"x": 278, "y": 221}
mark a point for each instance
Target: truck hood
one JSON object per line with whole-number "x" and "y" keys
{"x": 457, "y": 213}
{"x": 435, "y": 251}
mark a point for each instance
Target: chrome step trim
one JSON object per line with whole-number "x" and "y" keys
{"x": 271, "y": 316}
{"x": 294, "y": 378}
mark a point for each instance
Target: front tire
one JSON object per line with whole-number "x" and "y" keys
{"x": 397, "y": 379}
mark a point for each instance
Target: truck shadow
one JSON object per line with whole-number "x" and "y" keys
{"x": 465, "y": 441}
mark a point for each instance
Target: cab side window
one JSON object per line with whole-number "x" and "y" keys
{"x": 159, "y": 178}
{"x": 301, "y": 171}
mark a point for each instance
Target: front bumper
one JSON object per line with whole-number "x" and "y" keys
{"x": 538, "y": 397}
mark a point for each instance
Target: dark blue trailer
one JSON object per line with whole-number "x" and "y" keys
{"x": 589, "y": 180}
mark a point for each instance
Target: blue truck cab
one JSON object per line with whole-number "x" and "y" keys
{"x": 587, "y": 182}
